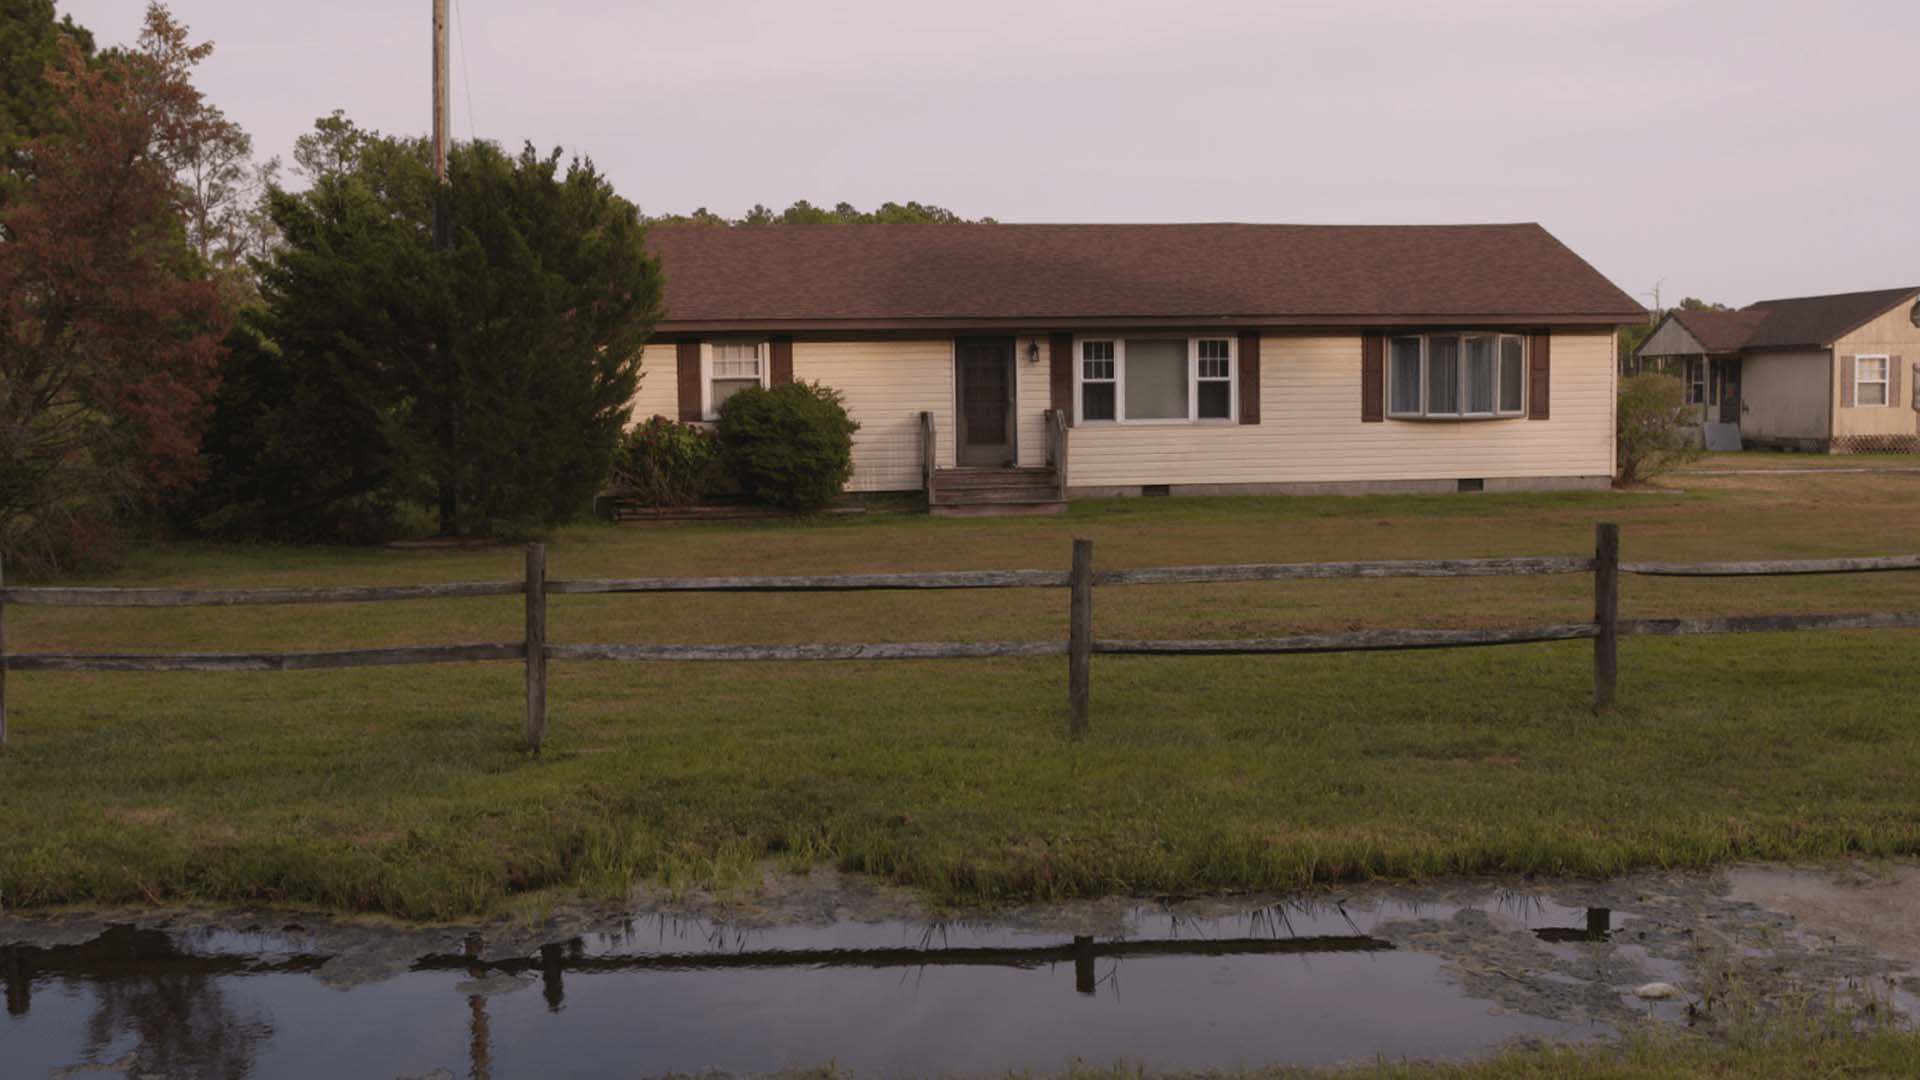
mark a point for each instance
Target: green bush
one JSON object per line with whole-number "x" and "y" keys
{"x": 1656, "y": 426}
{"x": 790, "y": 446}
{"x": 664, "y": 463}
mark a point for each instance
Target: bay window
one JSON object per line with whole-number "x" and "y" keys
{"x": 1153, "y": 379}
{"x": 1456, "y": 376}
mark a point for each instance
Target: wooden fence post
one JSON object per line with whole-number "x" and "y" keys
{"x": 536, "y": 645}
{"x": 1606, "y": 614}
{"x": 1080, "y": 638}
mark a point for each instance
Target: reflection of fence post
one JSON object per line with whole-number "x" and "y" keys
{"x": 552, "y": 976}
{"x": 536, "y": 645}
{"x": 1606, "y": 613}
{"x": 3, "y": 655}
{"x": 1083, "y": 980}
{"x": 1080, "y": 638}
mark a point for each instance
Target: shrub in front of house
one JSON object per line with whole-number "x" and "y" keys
{"x": 789, "y": 446}
{"x": 666, "y": 463}
{"x": 1656, "y": 427}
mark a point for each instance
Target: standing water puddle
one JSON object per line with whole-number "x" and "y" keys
{"x": 1295, "y": 986}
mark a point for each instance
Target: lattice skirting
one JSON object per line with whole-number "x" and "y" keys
{"x": 1877, "y": 444}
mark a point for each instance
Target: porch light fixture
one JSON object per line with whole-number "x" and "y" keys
{"x": 1033, "y": 351}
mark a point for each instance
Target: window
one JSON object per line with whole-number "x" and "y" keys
{"x": 1157, "y": 380}
{"x": 1468, "y": 376}
{"x": 1480, "y": 368}
{"x": 1513, "y": 374}
{"x": 1215, "y": 378}
{"x": 1697, "y": 381}
{"x": 1870, "y": 380}
{"x": 1097, "y": 387}
{"x": 735, "y": 366}
{"x": 1404, "y": 398}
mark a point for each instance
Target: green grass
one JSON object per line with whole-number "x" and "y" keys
{"x": 404, "y": 790}
{"x": 1888, "y": 1054}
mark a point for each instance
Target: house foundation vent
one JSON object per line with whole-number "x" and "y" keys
{"x": 1156, "y": 489}
{"x": 1473, "y": 485}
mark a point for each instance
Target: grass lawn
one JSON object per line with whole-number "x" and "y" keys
{"x": 405, "y": 791}
{"x": 1775, "y": 459}
{"x": 1800, "y": 1055}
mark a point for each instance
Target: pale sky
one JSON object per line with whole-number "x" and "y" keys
{"x": 1729, "y": 150}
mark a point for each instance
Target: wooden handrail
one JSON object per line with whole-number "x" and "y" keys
{"x": 1057, "y": 449}
{"x": 929, "y": 455}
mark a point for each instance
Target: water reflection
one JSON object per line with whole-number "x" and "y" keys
{"x": 168, "y": 1003}
{"x": 1282, "y": 985}
{"x": 1599, "y": 927}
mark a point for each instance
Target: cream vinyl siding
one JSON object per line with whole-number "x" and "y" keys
{"x": 659, "y": 393}
{"x": 1310, "y": 429}
{"x": 1783, "y": 395}
{"x": 886, "y": 385}
{"x": 1034, "y": 390}
{"x": 1892, "y": 334}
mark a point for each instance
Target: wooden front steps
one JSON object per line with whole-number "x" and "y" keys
{"x": 990, "y": 492}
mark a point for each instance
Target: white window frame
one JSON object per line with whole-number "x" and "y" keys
{"x": 1119, "y": 380}
{"x": 1697, "y": 380}
{"x": 1498, "y": 338}
{"x": 709, "y": 353}
{"x": 1884, "y": 382}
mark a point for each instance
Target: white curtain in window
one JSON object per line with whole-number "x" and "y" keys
{"x": 1443, "y": 375}
{"x": 1513, "y": 374}
{"x": 726, "y": 388}
{"x": 1156, "y": 379}
{"x": 1479, "y": 374}
{"x": 1405, "y": 396}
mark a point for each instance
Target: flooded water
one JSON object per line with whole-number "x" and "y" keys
{"x": 1283, "y": 985}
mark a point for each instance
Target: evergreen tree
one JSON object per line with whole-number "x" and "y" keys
{"x": 30, "y": 108}
{"x": 490, "y": 380}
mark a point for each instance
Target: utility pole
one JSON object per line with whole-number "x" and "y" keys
{"x": 442, "y": 239}
{"x": 440, "y": 81}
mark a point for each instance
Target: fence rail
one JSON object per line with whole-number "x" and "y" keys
{"x": 1079, "y": 647}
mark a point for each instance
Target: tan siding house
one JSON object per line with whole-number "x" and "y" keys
{"x": 1838, "y": 373}
{"x": 1056, "y": 361}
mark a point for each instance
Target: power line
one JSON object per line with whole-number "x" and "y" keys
{"x": 466, "y": 75}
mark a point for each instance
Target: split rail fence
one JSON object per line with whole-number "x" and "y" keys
{"x": 1605, "y": 629}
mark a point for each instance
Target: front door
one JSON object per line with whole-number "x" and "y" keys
{"x": 1722, "y": 429}
{"x": 984, "y": 370}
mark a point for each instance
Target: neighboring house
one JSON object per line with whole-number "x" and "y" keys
{"x": 1833, "y": 374}
{"x": 1086, "y": 360}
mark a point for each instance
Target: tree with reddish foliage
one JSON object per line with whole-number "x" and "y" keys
{"x": 110, "y": 327}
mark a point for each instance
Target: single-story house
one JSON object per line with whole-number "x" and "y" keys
{"x": 1019, "y": 365}
{"x": 1832, "y": 374}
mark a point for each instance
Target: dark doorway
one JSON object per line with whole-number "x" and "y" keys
{"x": 1729, "y": 390}
{"x": 983, "y": 368}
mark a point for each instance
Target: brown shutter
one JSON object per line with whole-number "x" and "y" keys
{"x": 780, "y": 361}
{"x": 687, "y": 359}
{"x": 1373, "y": 379}
{"x": 1060, "y": 373}
{"x": 1893, "y": 382}
{"x": 1846, "y": 382}
{"x": 1250, "y": 376}
{"x": 1539, "y": 376}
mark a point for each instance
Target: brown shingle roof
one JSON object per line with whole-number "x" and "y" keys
{"x": 895, "y": 275}
{"x": 1819, "y": 321}
{"x": 1719, "y": 331}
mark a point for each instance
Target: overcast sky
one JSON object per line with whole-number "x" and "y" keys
{"x": 1732, "y": 150}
